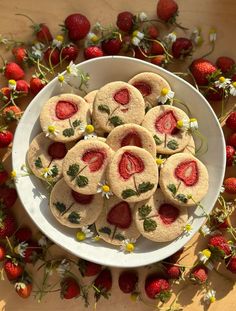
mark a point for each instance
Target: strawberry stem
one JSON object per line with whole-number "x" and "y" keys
{"x": 68, "y": 209}
{"x": 26, "y": 16}
{"x": 113, "y": 234}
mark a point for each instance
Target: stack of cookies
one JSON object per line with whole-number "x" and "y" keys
{"x": 104, "y": 155}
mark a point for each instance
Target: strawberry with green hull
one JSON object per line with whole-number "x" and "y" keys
{"x": 102, "y": 284}
{"x": 93, "y": 52}
{"x": 11, "y": 113}
{"x": 167, "y": 10}
{"x": 23, "y": 289}
{"x": 199, "y": 274}
{"x": 36, "y": 85}
{"x": 125, "y": 21}
{"x": 157, "y": 287}
{"x": 225, "y": 64}
{"x": 13, "y": 71}
{"x": 219, "y": 246}
{"x": 182, "y": 47}
{"x": 13, "y": 269}
{"x": 77, "y": 26}
{"x": 70, "y": 52}
{"x": 201, "y": 69}
{"x": 20, "y": 54}
{"x": 128, "y": 281}
{"x": 69, "y": 288}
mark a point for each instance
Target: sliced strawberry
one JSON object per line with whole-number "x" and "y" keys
{"x": 168, "y": 213}
{"x": 131, "y": 139}
{"x": 120, "y": 215}
{"x": 130, "y": 164}
{"x": 143, "y": 87}
{"x": 82, "y": 198}
{"x": 65, "y": 109}
{"x": 122, "y": 97}
{"x": 94, "y": 159}
{"x": 57, "y": 150}
{"x": 166, "y": 122}
{"x": 187, "y": 171}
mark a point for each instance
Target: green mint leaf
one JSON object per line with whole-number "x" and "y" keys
{"x": 74, "y": 218}
{"x": 73, "y": 170}
{"x": 54, "y": 171}
{"x": 172, "y": 144}
{"x": 38, "y": 163}
{"x": 76, "y": 123}
{"x": 60, "y": 207}
{"x": 104, "y": 108}
{"x": 128, "y": 193}
{"x": 172, "y": 188}
{"x": 145, "y": 186}
{"x": 182, "y": 198}
{"x": 119, "y": 237}
{"x": 105, "y": 230}
{"x": 116, "y": 121}
{"x": 149, "y": 225}
{"x": 68, "y": 132}
{"x": 158, "y": 141}
{"x": 81, "y": 181}
{"x": 144, "y": 211}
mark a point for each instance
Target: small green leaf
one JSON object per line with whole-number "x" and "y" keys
{"x": 54, "y": 171}
{"x": 158, "y": 141}
{"x": 73, "y": 170}
{"x": 119, "y": 237}
{"x": 68, "y": 132}
{"x": 74, "y": 218}
{"x": 128, "y": 193}
{"x": 104, "y": 108}
{"x": 105, "y": 230}
{"x": 182, "y": 198}
{"x": 172, "y": 144}
{"x": 149, "y": 225}
{"x": 81, "y": 181}
{"x": 145, "y": 186}
{"x": 164, "y": 296}
{"x": 60, "y": 207}
{"x": 116, "y": 121}
{"x": 38, "y": 163}
{"x": 144, "y": 210}
{"x": 172, "y": 188}
{"x": 76, "y": 123}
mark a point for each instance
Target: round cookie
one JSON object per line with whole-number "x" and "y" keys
{"x": 116, "y": 222}
{"x": 62, "y": 116}
{"x": 45, "y": 158}
{"x": 150, "y": 85}
{"x": 73, "y": 209}
{"x": 89, "y": 98}
{"x": 131, "y": 135}
{"x": 183, "y": 176}
{"x": 133, "y": 174}
{"x": 158, "y": 220}
{"x": 85, "y": 164}
{"x": 161, "y": 122}
{"x": 190, "y": 148}
{"x": 118, "y": 103}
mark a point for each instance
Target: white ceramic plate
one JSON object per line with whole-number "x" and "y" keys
{"x": 34, "y": 197}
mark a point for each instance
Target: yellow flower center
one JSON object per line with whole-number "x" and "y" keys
{"x": 193, "y": 120}
{"x": 16, "y": 250}
{"x": 51, "y": 129}
{"x": 105, "y": 188}
{"x": 188, "y": 227}
{"x": 61, "y": 78}
{"x": 13, "y": 174}
{"x": 207, "y": 253}
{"x": 60, "y": 38}
{"x": 222, "y": 79}
{"x": 234, "y": 84}
{"x": 94, "y": 38}
{"x": 134, "y": 296}
{"x": 80, "y": 236}
{"x": 159, "y": 161}
{"x": 180, "y": 124}
{"x": 212, "y": 299}
{"x": 12, "y": 82}
{"x": 129, "y": 247}
{"x": 89, "y": 128}
{"x": 46, "y": 170}
{"x": 164, "y": 91}
{"x": 135, "y": 33}
{"x": 97, "y": 238}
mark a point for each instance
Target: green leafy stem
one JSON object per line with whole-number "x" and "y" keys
{"x": 149, "y": 224}
{"x": 74, "y": 172}
{"x": 114, "y": 120}
{"x": 68, "y": 132}
{"x": 141, "y": 188}
{"x": 179, "y": 196}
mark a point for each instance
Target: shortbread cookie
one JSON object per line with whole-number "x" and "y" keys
{"x": 73, "y": 209}
{"x": 190, "y": 148}
{"x": 161, "y": 121}
{"x": 118, "y": 103}
{"x": 150, "y": 85}
{"x": 89, "y": 98}
{"x": 116, "y": 222}
{"x": 131, "y": 135}
{"x": 159, "y": 220}
{"x": 85, "y": 164}
{"x": 184, "y": 179}
{"x": 63, "y": 117}
{"x": 45, "y": 158}
{"x": 132, "y": 174}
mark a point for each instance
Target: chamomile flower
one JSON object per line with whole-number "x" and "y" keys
{"x": 57, "y": 42}
{"x": 142, "y": 16}
{"x": 61, "y": 79}
{"x": 135, "y": 41}
{"x": 222, "y": 82}
{"x": 72, "y": 70}
{"x": 51, "y": 131}
{"x": 128, "y": 246}
{"x": 170, "y": 38}
{"x": 104, "y": 189}
{"x": 193, "y": 124}
{"x": 37, "y": 50}
{"x": 232, "y": 89}
{"x": 84, "y": 233}
{"x": 89, "y": 132}
{"x": 197, "y": 37}
{"x": 166, "y": 94}
{"x": 96, "y": 238}
{"x": 21, "y": 248}
{"x": 46, "y": 172}
{"x": 205, "y": 230}
{"x": 19, "y": 285}
{"x": 212, "y": 35}
{"x": 42, "y": 241}
{"x": 222, "y": 189}
{"x": 183, "y": 124}
{"x": 138, "y": 34}
{"x": 12, "y": 84}
{"x": 210, "y": 296}
{"x": 63, "y": 267}
{"x": 204, "y": 255}
{"x": 91, "y": 36}
{"x": 188, "y": 229}
{"x": 160, "y": 162}
{"x": 14, "y": 176}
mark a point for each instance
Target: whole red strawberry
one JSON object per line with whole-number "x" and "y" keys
{"x": 156, "y": 49}
{"x": 24, "y": 289}
{"x": 125, "y": 21}
{"x": 231, "y": 264}
{"x": 219, "y": 245}
{"x": 77, "y": 25}
{"x": 201, "y": 68}
{"x": 225, "y": 64}
{"x": 5, "y": 94}
{"x": 128, "y": 281}
{"x": 11, "y": 113}
{"x": 13, "y": 71}
{"x": 3, "y": 175}
{"x": 2, "y": 252}
{"x": 22, "y": 86}
{"x": 13, "y": 269}
{"x": 153, "y": 32}
{"x": 43, "y": 33}
{"x": 6, "y": 138}
{"x": 88, "y": 268}
{"x": 36, "y": 85}
{"x": 231, "y": 121}
{"x": 20, "y": 54}
{"x": 172, "y": 271}
{"x": 230, "y": 155}
{"x": 199, "y": 274}
{"x": 69, "y": 288}
{"x": 52, "y": 55}
{"x": 93, "y": 52}
{"x": 159, "y": 60}
{"x": 70, "y": 52}
{"x": 167, "y": 10}
{"x": 23, "y": 234}
{"x": 103, "y": 283}
{"x": 230, "y": 185}
{"x": 182, "y": 47}
{"x": 8, "y": 196}
{"x": 214, "y": 94}
{"x": 156, "y": 287}
{"x": 7, "y": 224}
{"x": 111, "y": 46}
{"x": 232, "y": 140}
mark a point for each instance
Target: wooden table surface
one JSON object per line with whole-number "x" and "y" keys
{"x": 203, "y": 13}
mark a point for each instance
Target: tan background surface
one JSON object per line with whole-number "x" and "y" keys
{"x": 204, "y": 13}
